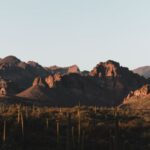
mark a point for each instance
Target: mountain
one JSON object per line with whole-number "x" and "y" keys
{"x": 21, "y": 73}
{"x": 106, "y": 85}
{"x": 143, "y": 71}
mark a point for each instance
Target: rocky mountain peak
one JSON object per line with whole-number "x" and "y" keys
{"x": 106, "y": 69}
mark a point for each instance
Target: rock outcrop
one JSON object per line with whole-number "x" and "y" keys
{"x": 106, "y": 69}
{"x": 38, "y": 81}
{"x": 7, "y": 87}
{"x": 138, "y": 99}
{"x": 117, "y": 79}
{"x": 50, "y": 81}
{"x": 139, "y": 93}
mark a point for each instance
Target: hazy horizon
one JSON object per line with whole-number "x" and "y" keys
{"x": 67, "y": 32}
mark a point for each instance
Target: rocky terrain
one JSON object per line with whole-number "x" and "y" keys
{"x": 106, "y": 85}
{"x": 138, "y": 99}
{"x": 143, "y": 71}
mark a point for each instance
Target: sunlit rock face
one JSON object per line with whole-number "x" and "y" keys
{"x": 106, "y": 69}
{"x": 38, "y": 81}
{"x": 50, "y": 81}
{"x": 3, "y": 87}
{"x": 139, "y": 93}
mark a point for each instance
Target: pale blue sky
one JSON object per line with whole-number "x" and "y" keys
{"x": 82, "y": 32}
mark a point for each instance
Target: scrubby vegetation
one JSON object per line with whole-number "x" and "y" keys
{"x": 77, "y": 128}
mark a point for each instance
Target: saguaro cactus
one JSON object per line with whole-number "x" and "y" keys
{"x": 4, "y": 131}
{"x": 18, "y": 115}
{"x": 47, "y": 123}
{"x": 22, "y": 124}
{"x": 79, "y": 126}
{"x": 58, "y": 131}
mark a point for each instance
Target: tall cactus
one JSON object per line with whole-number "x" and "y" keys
{"x": 58, "y": 131}
{"x": 26, "y": 112}
{"x": 73, "y": 137}
{"x": 4, "y": 131}
{"x": 22, "y": 124}
{"x": 18, "y": 115}
{"x": 47, "y": 123}
{"x": 79, "y": 126}
{"x": 116, "y": 146}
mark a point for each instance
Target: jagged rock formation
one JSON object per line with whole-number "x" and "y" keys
{"x": 50, "y": 81}
{"x": 38, "y": 91}
{"x": 143, "y": 71}
{"x": 138, "y": 99}
{"x": 117, "y": 79}
{"x": 106, "y": 69}
{"x": 38, "y": 81}
{"x": 3, "y": 87}
{"x": 140, "y": 93}
{"x": 106, "y": 85}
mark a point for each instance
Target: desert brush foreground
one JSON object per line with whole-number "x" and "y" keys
{"x": 76, "y": 128}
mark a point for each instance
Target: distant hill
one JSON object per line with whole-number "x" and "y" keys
{"x": 143, "y": 71}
